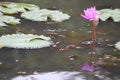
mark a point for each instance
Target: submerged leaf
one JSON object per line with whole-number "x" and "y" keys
{"x": 25, "y": 41}
{"x": 43, "y": 14}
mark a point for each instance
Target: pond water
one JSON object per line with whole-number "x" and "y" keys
{"x": 63, "y": 61}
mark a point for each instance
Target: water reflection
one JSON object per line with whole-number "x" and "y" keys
{"x": 56, "y": 75}
{"x": 90, "y": 65}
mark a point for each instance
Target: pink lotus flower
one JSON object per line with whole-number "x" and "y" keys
{"x": 88, "y": 67}
{"x": 90, "y": 14}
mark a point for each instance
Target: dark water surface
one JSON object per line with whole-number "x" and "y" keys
{"x": 60, "y": 61}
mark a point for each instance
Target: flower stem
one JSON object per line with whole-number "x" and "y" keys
{"x": 92, "y": 51}
{"x": 94, "y": 31}
{"x": 93, "y": 42}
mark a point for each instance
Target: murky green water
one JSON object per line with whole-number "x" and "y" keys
{"x": 15, "y": 62}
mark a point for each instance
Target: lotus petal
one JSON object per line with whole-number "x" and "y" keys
{"x": 25, "y": 41}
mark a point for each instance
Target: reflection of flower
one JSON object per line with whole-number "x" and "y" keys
{"x": 90, "y": 14}
{"x": 88, "y": 67}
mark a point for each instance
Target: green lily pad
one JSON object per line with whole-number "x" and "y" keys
{"x": 12, "y": 8}
{"x": 25, "y": 41}
{"x": 110, "y": 13}
{"x": 2, "y": 24}
{"x": 9, "y": 20}
{"x": 43, "y": 14}
{"x": 1, "y": 14}
{"x": 27, "y": 6}
{"x": 116, "y": 15}
{"x": 117, "y": 45}
{"x": 29, "y": 11}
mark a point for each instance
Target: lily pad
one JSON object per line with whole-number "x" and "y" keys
{"x": 25, "y": 41}
{"x": 116, "y": 15}
{"x": 2, "y": 24}
{"x": 27, "y": 6}
{"x": 11, "y": 8}
{"x": 43, "y": 14}
{"x": 56, "y": 75}
{"x": 9, "y": 20}
{"x": 110, "y": 13}
{"x": 1, "y": 14}
{"x": 117, "y": 45}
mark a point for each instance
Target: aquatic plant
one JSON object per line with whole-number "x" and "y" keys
{"x": 29, "y": 11}
{"x": 114, "y": 14}
{"x": 9, "y": 20}
{"x": 117, "y": 45}
{"x": 56, "y": 75}
{"x": 12, "y": 8}
{"x": 25, "y": 41}
{"x": 1, "y": 13}
{"x": 43, "y": 14}
{"x": 90, "y": 65}
{"x": 91, "y": 15}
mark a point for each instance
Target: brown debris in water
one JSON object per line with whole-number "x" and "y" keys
{"x": 109, "y": 60}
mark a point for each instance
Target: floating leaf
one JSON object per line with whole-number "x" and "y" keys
{"x": 117, "y": 45}
{"x": 9, "y": 20}
{"x": 104, "y": 15}
{"x": 27, "y": 6}
{"x": 56, "y": 75}
{"x": 43, "y": 14}
{"x": 1, "y": 14}
{"x": 110, "y": 13}
{"x": 25, "y": 41}
{"x": 2, "y": 24}
{"x": 116, "y": 15}
{"x": 11, "y": 8}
